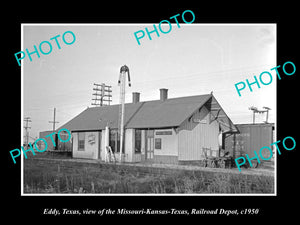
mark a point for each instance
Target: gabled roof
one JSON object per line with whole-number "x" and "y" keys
{"x": 97, "y": 118}
{"x": 151, "y": 114}
{"x": 169, "y": 113}
{"x": 217, "y": 113}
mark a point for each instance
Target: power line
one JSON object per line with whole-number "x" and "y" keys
{"x": 255, "y": 110}
{"x": 27, "y": 120}
{"x": 103, "y": 92}
{"x": 54, "y": 122}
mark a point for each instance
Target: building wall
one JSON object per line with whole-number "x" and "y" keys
{"x": 196, "y": 133}
{"x": 169, "y": 142}
{"x": 168, "y": 152}
{"x": 166, "y": 148}
{"x": 91, "y": 145}
{"x": 129, "y": 145}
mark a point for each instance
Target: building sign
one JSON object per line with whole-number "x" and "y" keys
{"x": 92, "y": 139}
{"x": 163, "y": 132}
{"x": 196, "y": 120}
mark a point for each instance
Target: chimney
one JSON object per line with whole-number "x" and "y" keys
{"x": 135, "y": 97}
{"x": 163, "y": 94}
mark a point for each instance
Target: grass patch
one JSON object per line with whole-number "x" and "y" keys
{"x": 52, "y": 176}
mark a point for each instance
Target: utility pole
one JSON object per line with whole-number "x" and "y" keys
{"x": 104, "y": 93}
{"x": 54, "y": 122}
{"x": 267, "y": 110}
{"x": 27, "y": 120}
{"x": 255, "y": 110}
{"x": 121, "y": 82}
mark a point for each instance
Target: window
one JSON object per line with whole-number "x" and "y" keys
{"x": 81, "y": 141}
{"x": 138, "y": 141}
{"x": 157, "y": 143}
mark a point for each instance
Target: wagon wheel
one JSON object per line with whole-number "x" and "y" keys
{"x": 222, "y": 163}
{"x": 208, "y": 162}
{"x": 255, "y": 164}
{"x": 205, "y": 164}
{"x": 247, "y": 164}
{"x": 212, "y": 163}
{"x": 229, "y": 163}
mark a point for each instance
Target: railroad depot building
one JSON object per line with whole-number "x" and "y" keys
{"x": 161, "y": 131}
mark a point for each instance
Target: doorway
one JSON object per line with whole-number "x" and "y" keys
{"x": 149, "y": 145}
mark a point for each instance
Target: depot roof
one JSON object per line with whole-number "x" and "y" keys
{"x": 171, "y": 112}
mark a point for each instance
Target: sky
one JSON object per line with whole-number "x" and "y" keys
{"x": 191, "y": 60}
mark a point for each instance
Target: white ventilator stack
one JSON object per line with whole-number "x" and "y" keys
{"x": 122, "y": 80}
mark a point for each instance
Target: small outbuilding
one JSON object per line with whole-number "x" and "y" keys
{"x": 162, "y": 131}
{"x": 57, "y": 145}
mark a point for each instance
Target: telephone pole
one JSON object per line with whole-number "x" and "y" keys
{"x": 104, "y": 93}
{"x": 255, "y": 110}
{"x": 54, "y": 122}
{"x": 27, "y": 120}
{"x": 267, "y": 110}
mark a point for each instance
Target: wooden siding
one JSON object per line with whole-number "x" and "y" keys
{"x": 169, "y": 143}
{"x": 193, "y": 136}
{"x": 91, "y": 145}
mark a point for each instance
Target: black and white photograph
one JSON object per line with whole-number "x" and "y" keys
{"x": 178, "y": 114}
{"x": 142, "y": 111}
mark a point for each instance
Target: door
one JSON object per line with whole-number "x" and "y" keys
{"x": 149, "y": 145}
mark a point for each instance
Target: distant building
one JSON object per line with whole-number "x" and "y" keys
{"x": 161, "y": 131}
{"x": 61, "y": 146}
